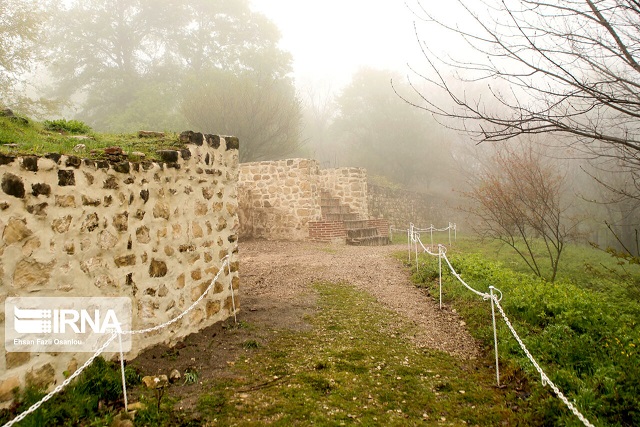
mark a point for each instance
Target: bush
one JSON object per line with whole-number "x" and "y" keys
{"x": 70, "y": 126}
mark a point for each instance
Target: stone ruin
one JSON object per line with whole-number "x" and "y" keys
{"x": 294, "y": 199}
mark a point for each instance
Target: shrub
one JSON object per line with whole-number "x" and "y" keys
{"x": 70, "y": 126}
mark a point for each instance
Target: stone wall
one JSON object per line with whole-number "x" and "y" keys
{"x": 402, "y": 207}
{"x": 349, "y": 185}
{"x": 152, "y": 231}
{"x": 278, "y": 199}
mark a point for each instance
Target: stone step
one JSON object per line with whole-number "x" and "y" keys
{"x": 354, "y": 224}
{"x": 340, "y": 217}
{"x": 333, "y": 201}
{"x": 369, "y": 241}
{"x": 335, "y": 209}
{"x": 357, "y": 233}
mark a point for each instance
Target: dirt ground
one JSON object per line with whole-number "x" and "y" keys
{"x": 275, "y": 294}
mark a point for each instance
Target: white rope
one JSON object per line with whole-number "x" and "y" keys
{"x": 545, "y": 379}
{"x": 484, "y": 295}
{"x": 119, "y": 334}
{"x": 63, "y": 385}
{"x": 184, "y": 313}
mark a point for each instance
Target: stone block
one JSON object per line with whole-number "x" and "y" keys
{"x": 16, "y": 359}
{"x": 15, "y": 231}
{"x": 40, "y": 378}
{"x": 157, "y": 268}
{"x": 32, "y": 274}
{"x": 13, "y": 185}
{"x": 7, "y": 388}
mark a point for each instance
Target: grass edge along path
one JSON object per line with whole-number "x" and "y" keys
{"x": 354, "y": 368}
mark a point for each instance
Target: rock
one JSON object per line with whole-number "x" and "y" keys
{"x": 16, "y": 231}
{"x": 14, "y": 359}
{"x": 61, "y": 225}
{"x": 161, "y": 210}
{"x": 169, "y": 156}
{"x": 111, "y": 183}
{"x": 113, "y": 151}
{"x": 40, "y": 378}
{"x": 150, "y": 134}
{"x": 90, "y": 223}
{"x": 41, "y": 189}
{"x": 142, "y": 234}
{"x": 66, "y": 178}
{"x": 125, "y": 260}
{"x": 121, "y": 221}
{"x": 136, "y": 406}
{"x": 6, "y": 112}
{"x": 13, "y": 185}
{"x": 66, "y": 201}
{"x": 73, "y": 161}
{"x": 161, "y": 381}
{"x": 157, "y": 268}
{"x": 6, "y": 388}
{"x": 174, "y": 376}
{"x": 31, "y": 274}
{"x": 148, "y": 381}
{"x": 30, "y": 163}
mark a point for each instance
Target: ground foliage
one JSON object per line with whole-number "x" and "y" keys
{"x": 582, "y": 329}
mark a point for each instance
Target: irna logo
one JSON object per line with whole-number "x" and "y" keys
{"x": 37, "y": 321}
{"x": 66, "y": 324}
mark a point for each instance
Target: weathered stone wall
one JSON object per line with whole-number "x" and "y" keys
{"x": 349, "y": 185}
{"x": 402, "y": 207}
{"x": 154, "y": 232}
{"x": 279, "y": 198}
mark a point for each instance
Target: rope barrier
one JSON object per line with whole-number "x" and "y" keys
{"x": 35, "y": 406}
{"x": 66, "y": 382}
{"x": 495, "y": 302}
{"x": 543, "y": 377}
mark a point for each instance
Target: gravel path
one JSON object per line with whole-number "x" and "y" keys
{"x": 275, "y": 276}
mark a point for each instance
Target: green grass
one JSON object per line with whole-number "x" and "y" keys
{"x": 355, "y": 368}
{"x": 583, "y": 329}
{"x": 34, "y": 139}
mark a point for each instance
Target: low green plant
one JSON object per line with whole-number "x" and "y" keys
{"x": 93, "y": 395}
{"x": 70, "y": 126}
{"x": 585, "y": 338}
{"x": 190, "y": 376}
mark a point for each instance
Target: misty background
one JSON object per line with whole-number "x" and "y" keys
{"x": 334, "y": 81}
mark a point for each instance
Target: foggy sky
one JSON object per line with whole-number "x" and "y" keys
{"x": 331, "y": 39}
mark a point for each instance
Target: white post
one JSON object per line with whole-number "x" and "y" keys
{"x": 409, "y": 243}
{"x": 233, "y": 300}
{"x": 124, "y": 381}
{"x": 440, "y": 272}
{"x": 431, "y": 231}
{"x": 417, "y": 261}
{"x": 495, "y": 334}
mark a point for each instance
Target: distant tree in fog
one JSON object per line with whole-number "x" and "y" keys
{"x": 380, "y": 132}
{"x": 21, "y": 25}
{"x": 263, "y": 112}
{"x": 129, "y": 63}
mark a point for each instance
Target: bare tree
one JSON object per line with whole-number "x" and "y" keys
{"x": 569, "y": 67}
{"x": 518, "y": 199}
